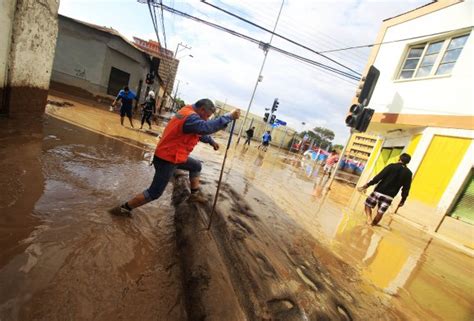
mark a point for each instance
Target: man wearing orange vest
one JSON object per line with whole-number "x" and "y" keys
{"x": 189, "y": 126}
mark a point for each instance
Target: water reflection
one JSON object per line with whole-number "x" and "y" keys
{"x": 411, "y": 267}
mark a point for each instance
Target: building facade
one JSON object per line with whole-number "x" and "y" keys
{"x": 100, "y": 61}
{"x": 360, "y": 147}
{"x": 167, "y": 69}
{"x": 423, "y": 106}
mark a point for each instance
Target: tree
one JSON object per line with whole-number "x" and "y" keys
{"x": 180, "y": 103}
{"x": 322, "y": 136}
{"x": 338, "y": 147}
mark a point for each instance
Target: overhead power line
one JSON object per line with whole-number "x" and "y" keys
{"x": 298, "y": 34}
{"x": 350, "y": 82}
{"x": 264, "y": 45}
{"x": 393, "y": 41}
{"x": 163, "y": 25}
{"x": 151, "y": 8}
{"x": 282, "y": 37}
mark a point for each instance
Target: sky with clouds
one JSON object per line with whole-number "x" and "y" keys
{"x": 225, "y": 67}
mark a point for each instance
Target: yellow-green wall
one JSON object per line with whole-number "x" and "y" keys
{"x": 438, "y": 166}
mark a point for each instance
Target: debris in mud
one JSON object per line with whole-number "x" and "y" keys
{"x": 59, "y": 103}
{"x": 243, "y": 270}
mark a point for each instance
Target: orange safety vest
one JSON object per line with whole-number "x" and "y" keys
{"x": 174, "y": 145}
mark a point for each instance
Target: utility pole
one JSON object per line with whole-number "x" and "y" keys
{"x": 283, "y": 139}
{"x": 265, "y": 49}
{"x": 168, "y": 82}
{"x": 175, "y": 94}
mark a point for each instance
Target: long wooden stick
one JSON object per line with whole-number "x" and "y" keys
{"x": 398, "y": 206}
{"x": 220, "y": 176}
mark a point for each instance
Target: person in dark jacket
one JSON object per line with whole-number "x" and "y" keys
{"x": 249, "y": 133}
{"x": 389, "y": 182}
{"x": 148, "y": 108}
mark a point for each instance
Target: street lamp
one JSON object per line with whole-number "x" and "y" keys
{"x": 265, "y": 48}
{"x": 180, "y": 45}
{"x": 165, "y": 94}
{"x": 182, "y": 57}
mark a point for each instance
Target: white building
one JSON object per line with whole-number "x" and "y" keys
{"x": 423, "y": 105}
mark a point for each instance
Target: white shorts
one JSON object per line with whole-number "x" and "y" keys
{"x": 328, "y": 168}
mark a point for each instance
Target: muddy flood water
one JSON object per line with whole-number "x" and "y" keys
{"x": 277, "y": 250}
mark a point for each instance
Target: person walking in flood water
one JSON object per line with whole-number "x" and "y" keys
{"x": 249, "y": 133}
{"x": 266, "y": 139}
{"x": 190, "y": 125}
{"x": 331, "y": 162}
{"x": 149, "y": 108}
{"x": 389, "y": 182}
{"x": 126, "y": 96}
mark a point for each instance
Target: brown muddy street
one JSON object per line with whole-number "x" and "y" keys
{"x": 62, "y": 256}
{"x": 277, "y": 250}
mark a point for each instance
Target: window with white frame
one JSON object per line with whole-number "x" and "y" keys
{"x": 432, "y": 58}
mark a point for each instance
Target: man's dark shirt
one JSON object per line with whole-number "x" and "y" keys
{"x": 249, "y": 133}
{"x": 391, "y": 179}
{"x": 127, "y": 98}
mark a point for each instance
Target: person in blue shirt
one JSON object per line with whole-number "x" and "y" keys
{"x": 127, "y": 97}
{"x": 266, "y": 139}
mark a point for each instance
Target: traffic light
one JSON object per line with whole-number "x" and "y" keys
{"x": 365, "y": 118}
{"x": 265, "y": 117}
{"x": 150, "y": 78}
{"x": 272, "y": 119}
{"x": 275, "y": 105}
{"x": 367, "y": 86}
{"x": 355, "y": 113}
{"x": 359, "y": 117}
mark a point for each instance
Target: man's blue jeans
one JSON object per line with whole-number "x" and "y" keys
{"x": 163, "y": 172}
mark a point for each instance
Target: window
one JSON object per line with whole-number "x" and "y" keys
{"x": 432, "y": 58}
{"x": 451, "y": 55}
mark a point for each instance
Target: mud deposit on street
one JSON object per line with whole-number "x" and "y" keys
{"x": 274, "y": 269}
